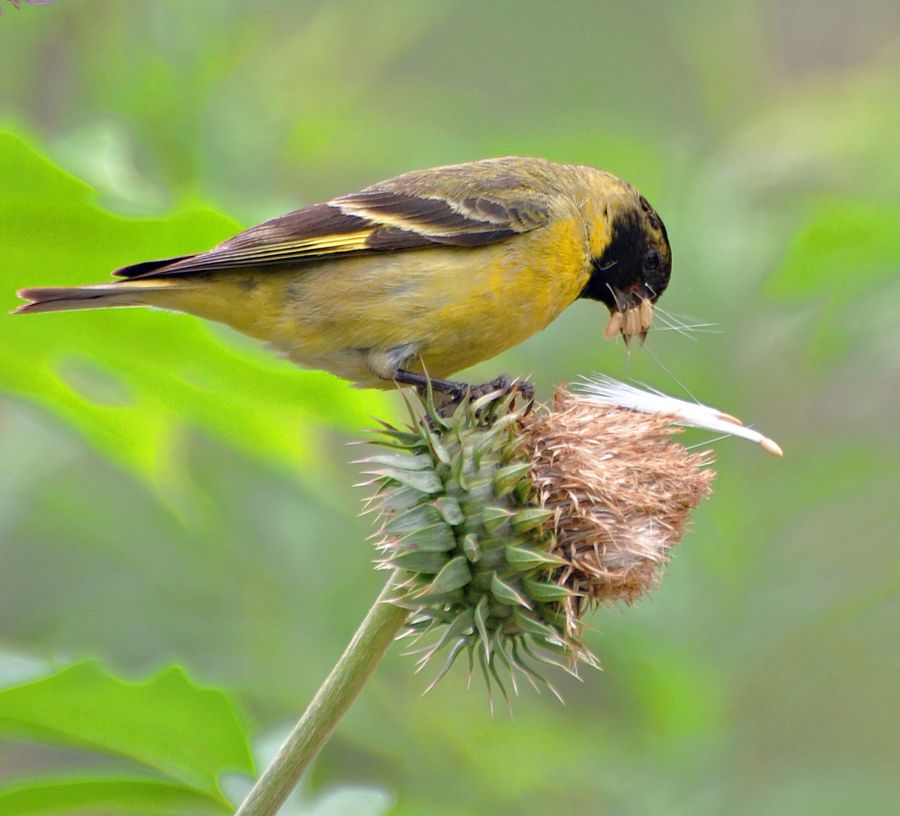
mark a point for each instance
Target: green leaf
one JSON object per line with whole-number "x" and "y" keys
{"x": 843, "y": 250}
{"x": 167, "y": 723}
{"x": 85, "y": 796}
{"x": 130, "y": 379}
{"x": 843, "y": 258}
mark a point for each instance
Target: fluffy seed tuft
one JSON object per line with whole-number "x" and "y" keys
{"x": 504, "y": 526}
{"x": 621, "y": 491}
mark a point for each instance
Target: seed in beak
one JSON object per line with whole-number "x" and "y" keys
{"x": 632, "y": 322}
{"x": 646, "y": 309}
{"x": 616, "y": 321}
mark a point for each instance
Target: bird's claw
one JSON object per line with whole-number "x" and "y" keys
{"x": 502, "y": 386}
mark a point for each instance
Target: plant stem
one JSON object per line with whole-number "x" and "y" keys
{"x": 334, "y": 697}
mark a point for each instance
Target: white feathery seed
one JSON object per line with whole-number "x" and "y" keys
{"x": 602, "y": 390}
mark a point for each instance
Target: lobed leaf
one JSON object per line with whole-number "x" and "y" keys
{"x": 167, "y": 723}
{"x": 131, "y": 379}
{"x": 70, "y": 796}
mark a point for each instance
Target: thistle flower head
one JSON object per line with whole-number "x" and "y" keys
{"x": 504, "y": 526}
{"x": 621, "y": 491}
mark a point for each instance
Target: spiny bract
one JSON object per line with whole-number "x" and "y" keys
{"x": 503, "y": 526}
{"x": 474, "y": 553}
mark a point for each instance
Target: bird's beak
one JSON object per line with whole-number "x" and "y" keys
{"x": 632, "y": 316}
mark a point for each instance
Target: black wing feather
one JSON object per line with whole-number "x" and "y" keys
{"x": 377, "y": 219}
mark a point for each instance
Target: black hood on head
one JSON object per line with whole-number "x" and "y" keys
{"x": 637, "y": 255}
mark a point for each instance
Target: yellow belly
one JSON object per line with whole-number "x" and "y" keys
{"x": 454, "y": 307}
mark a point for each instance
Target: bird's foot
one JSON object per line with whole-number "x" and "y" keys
{"x": 505, "y": 385}
{"x": 456, "y": 392}
{"x": 501, "y": 386}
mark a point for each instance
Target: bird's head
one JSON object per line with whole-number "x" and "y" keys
{"x": 632, "y": 270}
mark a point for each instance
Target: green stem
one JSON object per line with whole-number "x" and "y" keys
{"x": 331, "y": 702}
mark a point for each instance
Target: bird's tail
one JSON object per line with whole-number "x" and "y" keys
{"x": 67, "y": 298}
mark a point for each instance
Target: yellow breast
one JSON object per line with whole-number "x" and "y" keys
{"x": 454, "y": 306}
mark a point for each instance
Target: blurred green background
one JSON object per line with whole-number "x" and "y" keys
{"x": 170, "y": 493}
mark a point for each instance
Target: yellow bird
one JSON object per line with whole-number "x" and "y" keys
{"x": 433, "y": 270}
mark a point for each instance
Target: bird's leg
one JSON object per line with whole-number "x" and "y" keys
{"x": 454, "y": 390}
{"x": 458, "y": 391}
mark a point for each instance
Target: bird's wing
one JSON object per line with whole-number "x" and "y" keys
{"x": 382, "y": 218}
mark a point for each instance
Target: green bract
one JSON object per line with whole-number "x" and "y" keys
{"x": 474, "y": 552}
{"x": 505, "y": 524}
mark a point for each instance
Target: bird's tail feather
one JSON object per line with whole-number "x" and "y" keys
{"x": 67, "y": 298}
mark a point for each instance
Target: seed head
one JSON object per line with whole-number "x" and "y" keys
{"x": 621, "y": 491}
{"x": 504, "y": 525}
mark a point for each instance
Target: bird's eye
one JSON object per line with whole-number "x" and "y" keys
{"x": 651, "y": 261}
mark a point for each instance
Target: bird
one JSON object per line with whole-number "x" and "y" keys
{"x": 415, "y": 278}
